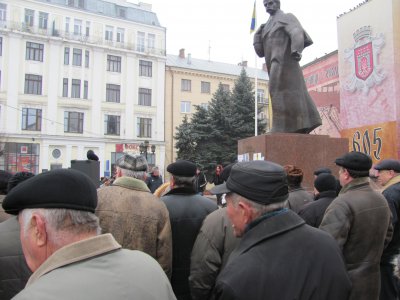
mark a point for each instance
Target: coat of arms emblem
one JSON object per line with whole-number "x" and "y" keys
{"x": 364, "y": 58}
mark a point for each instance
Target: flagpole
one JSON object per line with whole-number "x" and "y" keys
{"x": 252, "y": 28}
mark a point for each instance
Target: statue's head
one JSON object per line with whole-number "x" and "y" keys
{"x": 272, "y": 6}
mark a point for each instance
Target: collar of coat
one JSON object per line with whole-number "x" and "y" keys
{"x": 392, "y": 181}
{"x": 182, "y": 191}
{"x": 131, "y": 183}
{"x": 355, "y": 183}
{"x": 75, "y": 252}
{"x": 266, "y": 229}
{"x": 325, "y": 194}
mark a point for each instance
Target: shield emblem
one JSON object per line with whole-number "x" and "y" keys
{"x": 364, "y": 62}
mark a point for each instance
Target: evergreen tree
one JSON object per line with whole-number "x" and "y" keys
{"x": 185, "y": 142}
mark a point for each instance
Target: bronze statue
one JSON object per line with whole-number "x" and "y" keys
{"x": 281, "y": 41}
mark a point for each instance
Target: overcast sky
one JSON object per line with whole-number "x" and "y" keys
{"x": 220, "y": 29}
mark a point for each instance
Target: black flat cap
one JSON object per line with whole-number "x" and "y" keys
{"x": 183, "y": 168}
{"x": 356, "y": 161}
{"x": 62, "y": 188}
{"x": 136, "y": 162}
{"x": 322, "y": 171}
{"x": 261, "y": 181}
{"x": 388, "y": 164}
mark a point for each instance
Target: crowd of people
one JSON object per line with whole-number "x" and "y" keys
{"x": 262, "y": 236}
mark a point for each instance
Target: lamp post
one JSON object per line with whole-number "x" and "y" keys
{"x": 144, "y": 147}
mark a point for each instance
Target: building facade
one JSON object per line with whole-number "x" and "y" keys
{"x": 190, "y": 81}
{"x": 79, "y": 75}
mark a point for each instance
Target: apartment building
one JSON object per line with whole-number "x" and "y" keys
{"x": 79, "y": 75}
{"x": 190, "y": 81}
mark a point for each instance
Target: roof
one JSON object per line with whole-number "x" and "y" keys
{"x": 190, "y": 63}
{"x": 113, "y": 8}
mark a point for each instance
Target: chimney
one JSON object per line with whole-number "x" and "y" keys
{"x": 189, "y": 59}
{"x": 182, "y": 53}
{"x": 264, "y": 67}
{"x": 244, "y": 63}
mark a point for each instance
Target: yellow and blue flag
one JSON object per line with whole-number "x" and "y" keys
{"x": 253, "y": 19}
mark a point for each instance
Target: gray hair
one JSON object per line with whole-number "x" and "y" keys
{"x": 62, "y": 223}
{"x": 257, "y": 208}
{"x": 182, "y": 181}
{"x": 141, "y": 175}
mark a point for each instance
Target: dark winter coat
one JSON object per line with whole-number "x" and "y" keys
{"x": 298, "y": 197}
{"x": 214, "y": 244}
{"x": 14, "y": 272}
{"x": 187, "y": 210}
{"x": 153, "y": 182}
{"x": 359, "y": 220}
{"x": 392, "y": 194}
{"x": 313, "y": 212}
{"x": 283, "y": 258}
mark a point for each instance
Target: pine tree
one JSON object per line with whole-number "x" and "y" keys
{"x": 185, "y": 142}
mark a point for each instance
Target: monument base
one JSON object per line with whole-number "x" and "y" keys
{"x": 306, "y": 151}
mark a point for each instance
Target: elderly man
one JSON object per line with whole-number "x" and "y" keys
{"x": 281, "y": 41}
{"x": 389, "y": 179}
{"x": 359, "y": 220}
{"x": 62, "y": 246}
{"x": 135, "y": 217}
{"x": 279, "y": 256}
{"x": 187, "y": 210}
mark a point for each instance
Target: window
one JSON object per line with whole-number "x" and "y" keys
{"x": 112, "y": 125}
{"x": 77, "y": 57}
{"x": 260, "y": 96}
{"x": 31, "y": 119}
{"x": 87, "y": 32}
{"x": 186, "y": 85}
{"x": 81, "y": 3}
{"x": 144, "y": 127}
{"x": 113, "y": 93}
{"x": 65, "y": 87}
{"x": 205, "y": 87}
{"x": 120, "y": 35}
{"x": 34, "y": 51}
{"x": 77, "y": 27}
{"x": 225, "y": 87}
{"x": 114, "y": 63}
{"x": 3, "y": 12}
{"x": 76, "y": 88}
{"x": 1, "y": 46}
{"x": 73, "y": 122}
{"x": 140, "y": 41}
{"x": 204, "y": 105}
{"x": 121, "y": 12}
{"x": 43, "y": 18}
{"x": 86, "y": 58}
{"x": 33, "y": 84}
{"x": 109, "y": 33}
{"x": 85, "y": 89}
{"x": 151, "y": 40}
{"x": 29, "y": 17}
{"x": 66, "y": 56}
{"x": 67, "y": 21}
{"x": 185, "y": 106}
{"x": 145, "y": 68}
{"x": 144, "y": 96}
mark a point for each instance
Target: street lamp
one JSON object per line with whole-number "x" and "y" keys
{"x": 143, "y": 147}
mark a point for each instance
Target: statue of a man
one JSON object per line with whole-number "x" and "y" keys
{"x": 281, "y": 41}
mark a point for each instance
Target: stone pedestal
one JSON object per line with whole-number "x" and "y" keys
{"x": 306, "y": 151}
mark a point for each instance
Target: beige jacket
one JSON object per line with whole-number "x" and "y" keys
{"x": 137, "y": 219}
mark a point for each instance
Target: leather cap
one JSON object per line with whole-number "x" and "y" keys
{"x": 356, "y": 161}
{"x": 183, "y": 168}
{"x": 388, "y": 164}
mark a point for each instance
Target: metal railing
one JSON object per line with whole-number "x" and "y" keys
{"x": 82, "y": 38}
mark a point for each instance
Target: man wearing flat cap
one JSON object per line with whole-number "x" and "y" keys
{"x": 389, "y": 179}
{"x": 187, "y": 210}
{"x": 62, "y": 244}
{"x": 279, "y": 256}
{"x": 359, "y": 220}
{"x": 133, "y": 215}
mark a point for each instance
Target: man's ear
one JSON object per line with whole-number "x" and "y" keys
{"x": 39, "y": 230}
{"x": 246, "y": 211}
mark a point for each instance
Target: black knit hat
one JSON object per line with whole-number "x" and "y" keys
{"x": 260, "y": 181}
{"x": 325, "y": 182}
{"x": 322, "y": 171}
{"x": 62, "y": 188}
{"x": 182, "y": 168}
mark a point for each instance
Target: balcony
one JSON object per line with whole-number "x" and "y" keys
{"x": 52, "y": 32}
